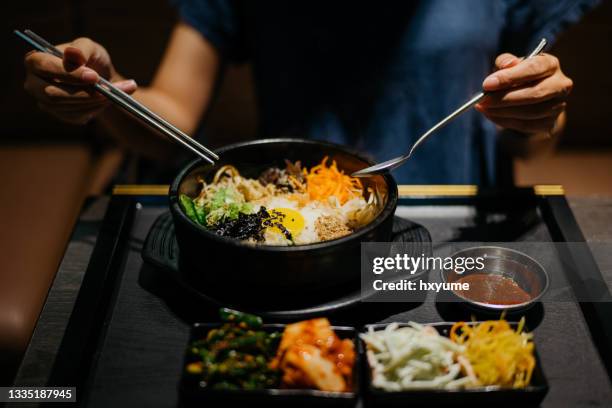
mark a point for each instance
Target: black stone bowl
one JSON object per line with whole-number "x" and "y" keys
{"x": 253, "y": 272}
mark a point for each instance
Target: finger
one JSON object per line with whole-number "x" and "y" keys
{"x": 557, "y": 86}
{"x": 79, "y": 51}
{"x": 526, "y": 126}
{"x": 49, "y": 91}
{"x": 73, "y": 58}
{"x": 50, "y": 67}
{"x": 529, "y": 70}
{"x": 62, "y": 92}
{"x": 84, "y": 51}
{"x": 128, "y": 86}
{"x": 54, "y": 92}
{"x": 506, "y": 60}
{"x": 72, "y": 95}
{"x": 526, "y": 112}
{"x": 78, "y": 94}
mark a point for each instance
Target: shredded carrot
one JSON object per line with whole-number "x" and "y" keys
{"x": 323, "y": 181}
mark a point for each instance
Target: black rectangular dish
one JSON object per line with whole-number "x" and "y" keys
{"x": 191, "y": 394}
{"x": 530, "y": 396}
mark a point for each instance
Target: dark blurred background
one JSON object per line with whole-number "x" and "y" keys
{"x": 135, "y": 33}
{"x": 47, "y": 169}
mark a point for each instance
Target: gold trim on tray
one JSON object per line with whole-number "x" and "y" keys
{"x": 428, "y": 190}
{"x": 548, "y": 189}
{"x": 448, "y": 190}
{"x": 465, "y": 190}
{"x": 141, "y": 189}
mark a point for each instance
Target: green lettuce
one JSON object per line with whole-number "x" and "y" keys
{"x": 225, "y": 204}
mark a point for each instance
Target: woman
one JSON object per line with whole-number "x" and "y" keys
{"x": 372, "y": 76}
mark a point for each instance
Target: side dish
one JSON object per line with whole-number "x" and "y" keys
{"x": 289, "y": 206}
{"x": 312, "y": 356}
{"x": 236, "y": 355}
{"x": 414, "y": 357}
{"x": 243, "y": 355}
{"x": 497, "y": 354}
{"x": 474, "y": 355}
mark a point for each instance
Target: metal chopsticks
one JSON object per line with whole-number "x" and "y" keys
{"x": 126, "y": 102}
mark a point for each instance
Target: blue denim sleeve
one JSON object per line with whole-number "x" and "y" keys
{"x": 218, "y": 22}
{"x": 527, "y": 21}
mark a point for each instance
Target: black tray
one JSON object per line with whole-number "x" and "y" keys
{"x": 192, "y": 395}
{"x": 125, "y": 339}
{"x": 529, "y": 396}
{"x": 161, "y": 250}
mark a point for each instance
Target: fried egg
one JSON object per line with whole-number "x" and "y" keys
{"x": 311, "y": 212}
{"x": 300, "y": 221}
{"x": 290, "y": 219}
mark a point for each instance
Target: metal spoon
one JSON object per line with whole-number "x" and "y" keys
{"x": 398, "y": 161}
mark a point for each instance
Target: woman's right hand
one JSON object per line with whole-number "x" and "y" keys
{"x": 63, "y": 87}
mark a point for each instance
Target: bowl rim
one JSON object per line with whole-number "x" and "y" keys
{"x": 496, "y": 307}
{"x": 387, "y": 211}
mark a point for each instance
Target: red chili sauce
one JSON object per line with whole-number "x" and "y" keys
{"x": 493, "y": 289}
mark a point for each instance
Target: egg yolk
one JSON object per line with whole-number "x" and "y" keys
{"x": 291, "y": 219}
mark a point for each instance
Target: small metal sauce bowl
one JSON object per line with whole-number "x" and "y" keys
{"x": 521, "y": 268}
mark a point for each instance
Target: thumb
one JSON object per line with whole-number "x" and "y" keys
{"x": 128, "y": 86}
{"x": 506, "y": 60}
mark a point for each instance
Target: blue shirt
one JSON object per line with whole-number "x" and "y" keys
{"x": 376, "y": 75}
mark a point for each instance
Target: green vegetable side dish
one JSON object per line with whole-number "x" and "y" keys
{"x": 234, "y": 316}
{"x": 225, "y": 204}
{"x": 235, "y": 356}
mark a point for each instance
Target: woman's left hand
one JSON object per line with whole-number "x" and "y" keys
{"x": 528, "y": 96}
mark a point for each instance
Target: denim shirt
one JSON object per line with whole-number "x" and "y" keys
{"x": 376, "y": 75}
